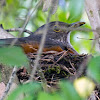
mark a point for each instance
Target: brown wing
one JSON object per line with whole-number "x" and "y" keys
{"x": 31, "y": 44}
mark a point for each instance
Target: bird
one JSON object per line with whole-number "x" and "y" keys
{"x": 59, "y": 31}
{"x": 57, "y": 38}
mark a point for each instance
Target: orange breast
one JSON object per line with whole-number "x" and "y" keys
{"x": 32, "y": 48}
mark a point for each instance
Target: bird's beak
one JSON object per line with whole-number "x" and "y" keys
{"x": 77, "y": 24}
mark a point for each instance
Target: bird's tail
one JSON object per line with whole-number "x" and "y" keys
{"x": 8, "y": 42}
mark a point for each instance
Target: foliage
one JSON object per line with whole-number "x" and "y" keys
{"x": 66, "y": 90}
{"x": 13, "y": 56}
{"x": 13, "y": 14}
{"x": 34, "y": 92}
{"x": 94, "y": 68}
{"x": 75, "y": 9}
{"x": 68, "y": 11}
{"x": 30, "y": 90}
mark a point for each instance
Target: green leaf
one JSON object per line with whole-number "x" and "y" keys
{"x": 75, "y": 10}
{"x": 94, "y": 68}
{"x": 29, "y": 90}
{"x": 68, "y": 91}
{"x": 12, "y": 56}
{"x": 30, "y": 97}
{"x": 48, "y": 96}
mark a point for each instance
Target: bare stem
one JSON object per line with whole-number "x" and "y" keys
{"x": 26, "y": 21}
{"x": 9, "y": 83}
{"x": 92, "y": 11}
{"x": 18, "y": 29}
{"x": 41, "y": 45}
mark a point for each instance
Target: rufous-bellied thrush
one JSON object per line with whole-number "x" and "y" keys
{"x": 57, "y": 38}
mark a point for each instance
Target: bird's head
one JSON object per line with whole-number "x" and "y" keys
{"x": 59, "y": 30}
{"x": 58, "y": 26}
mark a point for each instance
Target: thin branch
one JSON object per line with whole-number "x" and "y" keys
{"x": 9, "y": 83}
{"x": 41, "y": 45}
{"x": 29, "y": 16}
{"x": 92, "y": 11}
{"x": 26, "y": 21}
{"x": 89, "y": 39}
{"x": 18, "y": 29}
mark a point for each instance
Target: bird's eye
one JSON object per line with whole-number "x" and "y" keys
{"x": 56, "y": 28}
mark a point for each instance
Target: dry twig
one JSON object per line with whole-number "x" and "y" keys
{"x": 9, "y": 83}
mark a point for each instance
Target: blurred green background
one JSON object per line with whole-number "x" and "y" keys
{"x": 14, "y": 12}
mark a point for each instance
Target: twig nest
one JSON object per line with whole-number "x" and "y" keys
{"x": 55, "y": 65}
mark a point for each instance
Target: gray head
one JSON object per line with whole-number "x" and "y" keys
{"x": 59, "y": 31}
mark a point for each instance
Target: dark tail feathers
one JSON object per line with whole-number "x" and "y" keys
{"x": 7, "y": 42}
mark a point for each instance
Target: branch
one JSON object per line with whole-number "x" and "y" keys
{"x": 94, "y": 18}
{"x": 29, "y": 14}
{"x": 4, "y": 34}
{"x": 9, "y": 83}
{"x": 18, "y": 29}
{"x": 41, "y": 44}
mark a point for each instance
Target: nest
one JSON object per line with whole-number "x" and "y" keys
{"x": 54, "y": 66}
